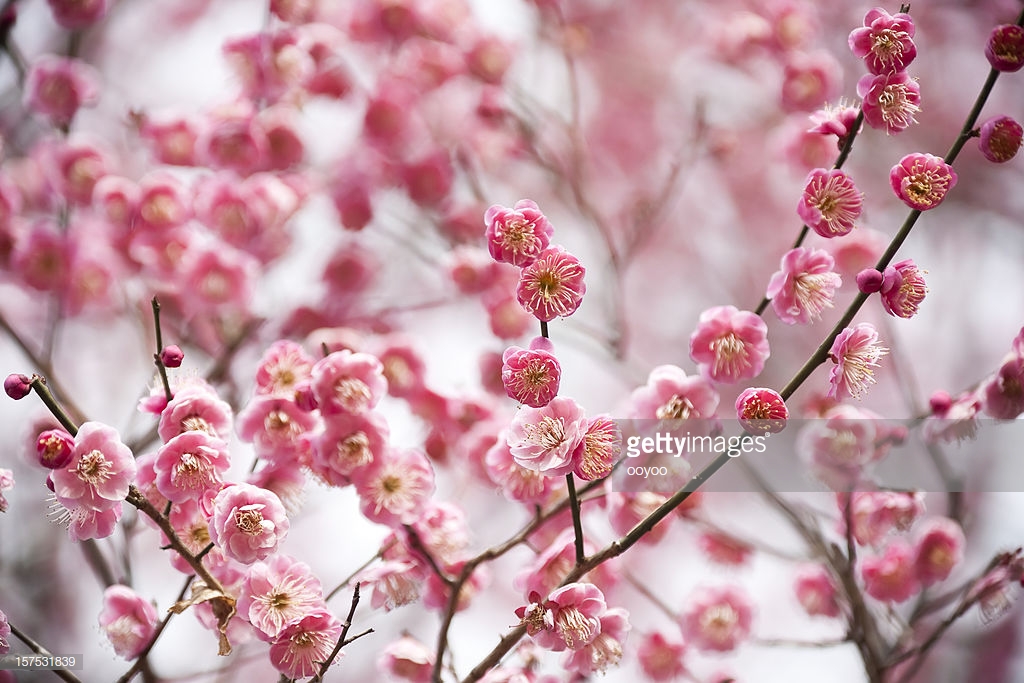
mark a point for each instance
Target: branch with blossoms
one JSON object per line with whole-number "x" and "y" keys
{"x": 350, "y": 406}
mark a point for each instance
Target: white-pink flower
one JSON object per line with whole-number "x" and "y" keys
{"x": 546, "y": 439}
{"x": 394, "y": 489}
{"x": 517, "y": 235}
{"x": 729, "y": 344}
{"x": 100, "y": 472}
{"x": 830, "y": 203}
{"x": 347, "y": 382}
{"x": 804, "y": 286}
{"x": 407, "y": 659}
{"x": 552, "y": 286}
{"x": 856, "y": 353}
{"x": 605, "y": 650}
{"x": 248, "y": 522}
{"x": 304, "y": 645}
{"x": 672, "y": 395}
{"x": 277, "y": 593}
{"x": 128, "y": 620}
{"x": 190, "y": 465}
{"x": 195, "y": 408}
{"x": 717, "y": 619}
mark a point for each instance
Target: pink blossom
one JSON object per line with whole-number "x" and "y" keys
{"x": 835, "y": 120}
{"x": 603, "y": 651}
{"x": 830, "y": 203}
{"x": 1005, "y": 48}
{"x": 78, "y": 14}
{"x": 347, "y": 382}
{"x": 999, "y": 139}
{"x": 394, "y": 584}
{"x": 128, "y": 620}
{"x": 100, "y": 472}
{"x": 721, "y": 548}
{"x": 885, "y": 42}
{"x": 274, "y": 426}
{"x": 403, "y": 367}
{"x": 191, "y": 523}
{"x": 672, "y": 395}
{"x": 41, "y": 259}
{"x": 285, "y": 478}
{"x": 717, "y": 619}
{"x": 816, "y": 591}
{"x": 808, "y": 80}
{"x": 75, "y": 168}
{"x": 407, "y": 659}
{"x": 437, "y": 593}
{"x": 661, "y": 657}
{"x": 232, "y": 140}
{"x": 761, "y": 410}
{"x": 940, "y": 548}
{"x": 517, "y": 482}
{"x": 1002, "y": 395}
{"x": 172, "y": 138}
{"x": 331, "y": 76}
{"x": 54, "y": 448}
{"x": 860, "y": 249}
{"x": 163, "y": 202}
{"x": 517, "y": 235}
{"x": 839, "y": 448}
{"x": 472, "y": 270}
{"x": 303, "y": 646}
{"x": 190, "y": 465}
{"x": 878, "y": 514}
{"x": 17, "y": 385}
{"x": 576, "y": 610}
{"x": 57, "y": 87}
{"x": 195, "y": 408}
{"x": 442, "y": 530}
{"x": 348, "y": 443}
{"x": 552, "y": 285}
{"x": 217, "y": 277}
{"x": 729, "y": 345}
{"x": 890, "y": 577}
{"x": 804, "y": 287}
{"x": 625, "y": 510}
{"x": 530, "y": 376}
{"x": 283, "y": 366}
{"x": 952, "y": 420}
{"x": 903, "y": 289}
{"x": 506, "y": 317}
{"x": 394, "y": 489}
{"x": 428, "y": 180}
{"x": 890, "y": 101}
{"x": 248, "y": 522}
{"x": 600, "y": 449}
{"x": 85, "y": 524}
{"x": 922, "y": 180}
{"x": 278, "y": 592}
{"x": 856, "y": 353}
{"x": 546, "y": 439}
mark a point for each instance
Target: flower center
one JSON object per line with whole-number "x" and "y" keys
{"x": 352, "y": 394}
{"x": 573, "y": 626}
{"x": 676, "y": 408}
{"x": 93, "y": 468}
{"x": 730, "y": 354}
{"x": 549, "y": 433}
{"x": 354, "y": 450}
{"x": 719, "y": 621}
{"x": 249, "y": 520}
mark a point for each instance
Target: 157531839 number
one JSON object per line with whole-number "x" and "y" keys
{"x": 38, "y": 662}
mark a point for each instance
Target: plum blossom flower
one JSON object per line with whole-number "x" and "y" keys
{"x": 100, "y": 471}
{"x": 552, "y": 285}
{"x": 761, "y": 410}
{"x": 128, "y": 620}
{"x": 999, "y": 139}
{"x": 885, "y": 42}
{"x": 575, "y": 617}
{"x": 346, "y": 444}
{"x": 804, "y": 286}
{"x": 890, "y": 577}
{"x": 922, "y": 180}
{"x": 54, "y": 448}
{"x": 517, "y": 235}
{"x": 546, "y": 439}
{"x": 890, "y": 101}
{"x": 855, "y": 352}
{"x": 517, "y": 482}
{"x": 57, "y": 87}
{"x": 877, "y": 514}
{"x": 1005, "y": 48}
{"x": 301, "y": 648}
{"x": 717, "y": 619}
{"x": 190, "y": 465}
{"x": 530, "y": 376}
{"x": 605, "y": 650}
{"x": 940, "y": 548}
{"x": 672, "y": 395}
{"x": 1002, "y": 395}
{"x": 835, "y": 120}
{"x": 721, "y": 548}
{"x": 903, "y": 289}
{"x": 730, "y": 345}
{"x": 407, "y": 659}
{"x": 274, "y": 425}
{"x": 348, "y": 382}
{"x": 661, "y": 657}
{"x": 394, "y": 584}
{"x": 195, "y": 408}
{"x": 394, "y": 489}
{"x": 816, "y": 591}
{"x": 600, "y": 449}
{"x": 284, "y": 365}
{"x": 278, "y": 592}
{"x": 248, "y": 522}
{"x": 830, "y": 203}
{"x": 17, "y": 385}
